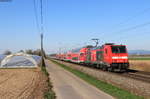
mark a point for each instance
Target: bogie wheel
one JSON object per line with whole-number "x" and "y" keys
{"x": 97, "y": 66}
{"x": 110, "y": 69}
{"x": 104, "y": 68}
{"x": 101, "y": 66}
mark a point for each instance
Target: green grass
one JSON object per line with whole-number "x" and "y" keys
{"x": 108, "y": 88}
{"x": 44, "y": 71}
{"x": 139, "y": 58}
{"x": 49, "y": 94}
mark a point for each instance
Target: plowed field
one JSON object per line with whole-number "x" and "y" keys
{"x": 22, "y": 83}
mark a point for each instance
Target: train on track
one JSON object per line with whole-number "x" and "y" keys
{"x": 109, "y": 57}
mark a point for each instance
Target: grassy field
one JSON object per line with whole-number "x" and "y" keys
{"x": 140, "y": 62}
{"x": 108, "y": 88}
{"x": 139, "y": 58}
{"x": 141, "y": 65}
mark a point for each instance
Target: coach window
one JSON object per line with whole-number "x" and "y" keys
{"x": 81, "y": 54}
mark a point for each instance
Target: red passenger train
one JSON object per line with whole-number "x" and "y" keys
{"x": 109, "y": 57}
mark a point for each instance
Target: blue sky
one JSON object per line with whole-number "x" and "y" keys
{"x": 72, "y": 23}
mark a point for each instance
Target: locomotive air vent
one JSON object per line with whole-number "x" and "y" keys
{"x": 89, "y": 46}
{"x": 109, "y": 43}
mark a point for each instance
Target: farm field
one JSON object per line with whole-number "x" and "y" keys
{"x": 139, "y": 58}
{"x": 142, "y": 65}
{"x": 22, "y": 83}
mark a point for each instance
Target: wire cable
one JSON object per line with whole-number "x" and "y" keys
{"x": 134, "y": 16}
{"x": 131, "y": 18}
{"x": 42, "y": 27}
{"x": 133, "y": 28}
{"x": 36, "y": 16}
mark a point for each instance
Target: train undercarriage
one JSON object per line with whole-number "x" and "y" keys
{"x": 114, "y": 67}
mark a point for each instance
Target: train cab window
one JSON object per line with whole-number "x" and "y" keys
{"x": 118, "y": 49}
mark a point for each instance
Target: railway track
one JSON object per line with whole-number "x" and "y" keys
{"x": 143, "y": 76}
{"x": 138, "y": 75}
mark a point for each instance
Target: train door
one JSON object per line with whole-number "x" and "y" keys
{"x": 105, "y": 54}
{"x": 99, "y": 56}
{"x": 88, "y": 57}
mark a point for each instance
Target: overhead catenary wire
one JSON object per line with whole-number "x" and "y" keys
{"x": 130, "y": 19}
{"x": 42, "y": 27}
{"x": 128, "y": 29}
{"x": 39, "y": 24}
{"x": 36, "y": 16}
{"x": 133, "y": 27}
{"x": 134, "y": 16}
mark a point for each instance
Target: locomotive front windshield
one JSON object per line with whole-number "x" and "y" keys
{"x": 118, "y": 49}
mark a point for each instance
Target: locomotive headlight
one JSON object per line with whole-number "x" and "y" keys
{"x": 122, "y": 57}
{"x": 115, "y": 57}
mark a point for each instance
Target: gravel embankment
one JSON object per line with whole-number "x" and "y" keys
{"x": 132, "y": 85}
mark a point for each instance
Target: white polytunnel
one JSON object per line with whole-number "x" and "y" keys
{"x": 19, "y": 60}
{"x": 2, "y": 57}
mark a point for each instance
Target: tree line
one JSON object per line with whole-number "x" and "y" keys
{"x": 28, "y": 51}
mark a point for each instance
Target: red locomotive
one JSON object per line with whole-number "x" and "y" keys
{"x": 109, "y": 57}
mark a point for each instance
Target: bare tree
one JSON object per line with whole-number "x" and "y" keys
{"x": 29, "y": 51}
{"x": 21, "y": 51}
{"x": 35, "y": 52}
{"x": 7, "y": 52}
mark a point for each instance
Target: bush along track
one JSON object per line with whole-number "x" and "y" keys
{"x": 108, "y": 88}
{"x": 49, "y": 94}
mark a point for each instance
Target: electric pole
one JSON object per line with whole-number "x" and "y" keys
{"x": 42, "y": 51}
{"x": 40, "y": 27}
{"x": 42, "y": 32}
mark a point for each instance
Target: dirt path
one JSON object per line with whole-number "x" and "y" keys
{"x": 68, "y": 86}
{"x": 21, "y": 83}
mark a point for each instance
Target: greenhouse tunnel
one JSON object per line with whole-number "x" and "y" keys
{"x": 19, "y": 60}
